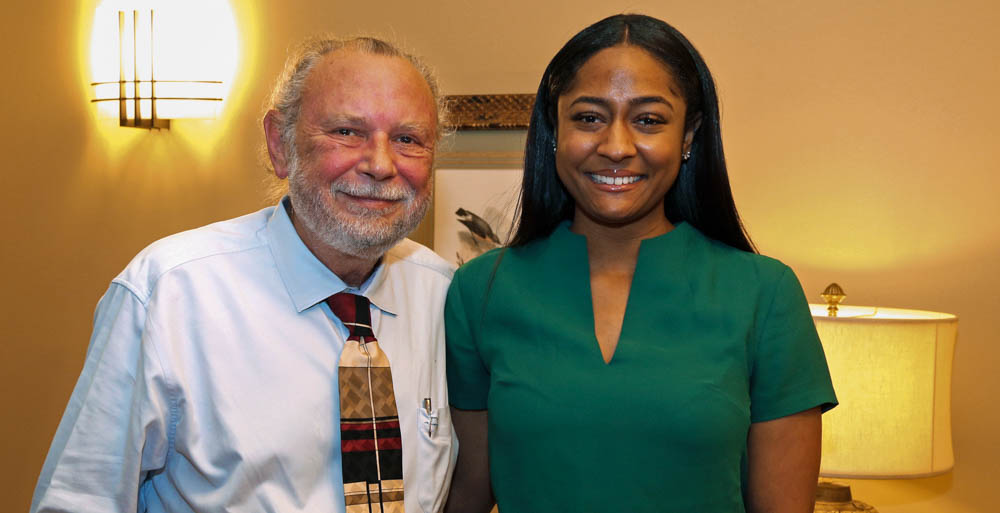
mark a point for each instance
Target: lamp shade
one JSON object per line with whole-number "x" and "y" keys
{"x": 891, "y": 369}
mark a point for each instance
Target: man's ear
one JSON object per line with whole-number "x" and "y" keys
{"x": 691, "y": 130}
{"x": 275, "y": 147}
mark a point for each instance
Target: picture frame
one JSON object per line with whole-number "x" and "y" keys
{"x": 478, "y": 174}
{"x": 489, "y": 111}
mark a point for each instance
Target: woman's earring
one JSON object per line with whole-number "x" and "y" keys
{"x": 686, "y": 155}
{"x": 553, "y": 145}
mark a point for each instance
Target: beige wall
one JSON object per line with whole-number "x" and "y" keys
{"x": 859, "y": 136}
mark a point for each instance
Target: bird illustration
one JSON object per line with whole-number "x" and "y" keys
{"x": 477, "y": 225}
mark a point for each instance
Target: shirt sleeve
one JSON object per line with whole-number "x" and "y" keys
{"x": 114, "y": 429}
{"x": 468, "y": 377}
{"x": 789, "y": 372}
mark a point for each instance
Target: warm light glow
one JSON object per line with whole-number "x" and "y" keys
{"x": 192, "y": 40}
{"x": 199, "y": 139}
{"x": 891, "y": 369}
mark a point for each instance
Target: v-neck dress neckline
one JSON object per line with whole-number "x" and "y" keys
{"x": 668, "y": 249}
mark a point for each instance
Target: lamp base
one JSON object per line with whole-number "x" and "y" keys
{"x": 836, "y": 498}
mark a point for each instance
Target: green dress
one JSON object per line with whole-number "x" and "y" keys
{"x": 713, "y": 339}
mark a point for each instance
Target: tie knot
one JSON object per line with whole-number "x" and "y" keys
{"x": 353, "y": 311}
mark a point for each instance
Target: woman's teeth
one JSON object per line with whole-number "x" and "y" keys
{"x": 614, "y": 180}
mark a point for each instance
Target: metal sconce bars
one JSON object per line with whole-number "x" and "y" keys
{"x": 137, "y": 86}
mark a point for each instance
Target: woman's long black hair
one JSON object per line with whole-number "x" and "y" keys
{"x": 701, "y": 194}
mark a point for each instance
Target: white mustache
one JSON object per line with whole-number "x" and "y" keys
{"x": 379, "y": 192}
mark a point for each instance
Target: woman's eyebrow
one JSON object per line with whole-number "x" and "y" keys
{"x": 641, "y": 100}
{"x": 591, "y": 99}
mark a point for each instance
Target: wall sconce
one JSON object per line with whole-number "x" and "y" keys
{"x": 891, "y": 369}
{"x": 156, "y": 67}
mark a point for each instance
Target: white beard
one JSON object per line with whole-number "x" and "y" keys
{"x": 356, "y": 231}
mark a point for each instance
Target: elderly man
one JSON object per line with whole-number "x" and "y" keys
{"x": 291, "y": 359}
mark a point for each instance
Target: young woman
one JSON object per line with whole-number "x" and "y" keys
{"x": 629, "y": 351}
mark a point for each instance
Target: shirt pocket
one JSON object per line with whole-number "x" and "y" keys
{"x": 434, "y": 453}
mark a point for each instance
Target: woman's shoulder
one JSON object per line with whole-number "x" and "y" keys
{"x": 481, "y": 265}
{"x": 755, "y": 278}
{"x": 724, "y": 256}
{"x": 527, "y": 258}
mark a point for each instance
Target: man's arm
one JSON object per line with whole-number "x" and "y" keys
{"x": 114, "y": 428}
{"x": 784, "y": 457}
{"x": 470, "y": 486}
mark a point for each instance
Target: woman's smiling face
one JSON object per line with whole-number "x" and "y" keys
{"x": 621, "y": 137}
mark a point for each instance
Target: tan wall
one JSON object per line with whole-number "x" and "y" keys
{"x": 860, "y": 139}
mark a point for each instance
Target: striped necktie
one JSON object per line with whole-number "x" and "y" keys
{"x": 370, "y": 446}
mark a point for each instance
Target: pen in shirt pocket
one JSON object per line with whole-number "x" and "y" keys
{"x": 431, "y": 418}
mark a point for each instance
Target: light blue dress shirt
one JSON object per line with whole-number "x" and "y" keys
{"x": 210, "y": 382}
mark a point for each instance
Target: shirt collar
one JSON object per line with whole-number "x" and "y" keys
{"x": 379, "y": 290}
{"x": 307, "y": 280}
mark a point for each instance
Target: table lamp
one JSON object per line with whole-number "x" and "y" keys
{"x": 891, "y": 369}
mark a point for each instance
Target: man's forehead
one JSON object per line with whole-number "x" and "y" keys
{"x": 349, "y": 65}
{"x": 357, "y": 85}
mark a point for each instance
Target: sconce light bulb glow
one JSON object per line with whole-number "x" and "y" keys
{"x": 192, "y": 41}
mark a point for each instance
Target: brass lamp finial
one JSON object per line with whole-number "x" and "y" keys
{"x": 833, "y": 295}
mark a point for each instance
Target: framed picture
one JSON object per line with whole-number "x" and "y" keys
{"x": 478, "y": 176}
{"x": 473, "y": 210}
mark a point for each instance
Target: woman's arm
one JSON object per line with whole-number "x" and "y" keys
{"x": 783, "y": 462}
{"x": 470, "y": 485}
